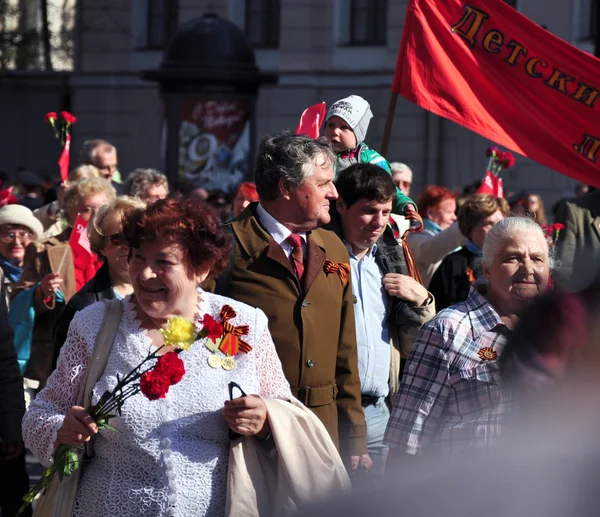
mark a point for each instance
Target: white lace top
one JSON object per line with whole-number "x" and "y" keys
{"x": 171, "y": 457}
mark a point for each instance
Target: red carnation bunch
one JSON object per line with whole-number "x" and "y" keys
{"x": 153, "y": 377}
{"x": 169, "y": 370}
{"x": 61, "y": 130}
{"x": 551, "y": 232}
{"x": 211, "y": 328}
{"x": 499, "y": 160}
{"x": 62, "y": 134}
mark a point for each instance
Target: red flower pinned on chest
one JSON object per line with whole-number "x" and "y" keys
{"x": 342, "y": 269}
{"x": 224, "y": 337}
{"x": 211, "y": 328}
{"x": 488, "y": 354}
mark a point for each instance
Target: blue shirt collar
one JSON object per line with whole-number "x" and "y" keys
{"x": 428, "y": 224}
{"x": 473, "y": 248}
{"x": 371, "y": 251}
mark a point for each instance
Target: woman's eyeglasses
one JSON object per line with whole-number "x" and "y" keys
{"x": 13, "y": 235}
{"x": 116, "y": 239}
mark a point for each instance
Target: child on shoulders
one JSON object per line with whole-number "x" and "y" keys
{"x": 346, "y": 127}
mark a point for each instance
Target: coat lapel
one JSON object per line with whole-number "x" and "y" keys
{"x": 253, "y": 239}
{"x": 276, "y": 253}
{"x": 314, "y": 260}
{"x": 596, "y": 225}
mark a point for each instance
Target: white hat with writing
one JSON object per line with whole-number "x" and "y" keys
{"x": 356, "y": 112}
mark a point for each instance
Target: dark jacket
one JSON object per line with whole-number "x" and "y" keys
{"x": 97, "y": 289}
{"x": 451, "y": 282}
{"x": 312, "y": 325}
{"x": 12, "y": 401}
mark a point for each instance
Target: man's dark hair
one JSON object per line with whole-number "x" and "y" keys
{"x": 365, "y": 181}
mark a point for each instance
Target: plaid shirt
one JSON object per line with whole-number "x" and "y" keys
{"x": 449, "y": 396}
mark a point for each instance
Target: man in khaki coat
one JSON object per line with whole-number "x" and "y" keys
{"x": 307, "y": 297}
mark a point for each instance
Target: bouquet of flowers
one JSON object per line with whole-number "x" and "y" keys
{"x": 152, "y": 377}
{"x": 498, "y": 161}
{"x": 63, "y": 135}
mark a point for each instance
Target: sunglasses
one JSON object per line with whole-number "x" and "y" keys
{"x": 116, "y": 239}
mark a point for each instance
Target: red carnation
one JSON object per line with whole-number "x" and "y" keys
{"x": 491, "y": 150}
{"x": 50, "y": 116}
{"x": 213, "y": 329}
{"x": 154, "y": 385}
{"x": 170, "y": 366}
{"x": 558, "y": 226}
{"x": 69, "y": 119}
{"x": 507, "y": 159}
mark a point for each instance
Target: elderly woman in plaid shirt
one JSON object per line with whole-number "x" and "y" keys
{"x": 450, "y": 397}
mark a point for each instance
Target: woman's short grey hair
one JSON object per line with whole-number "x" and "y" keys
{"x": 290, "y": 158}
{"x": 506, "y": 229}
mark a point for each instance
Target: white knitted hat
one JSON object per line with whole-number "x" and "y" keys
{"x": 356, "y": 112}
{"x": 18, "y": 214}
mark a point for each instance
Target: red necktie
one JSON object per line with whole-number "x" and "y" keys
{"x": 296, "y": 257}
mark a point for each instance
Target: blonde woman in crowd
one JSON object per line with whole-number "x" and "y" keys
{"x": 52, "y": 214}
{"x": 112, "y": 279}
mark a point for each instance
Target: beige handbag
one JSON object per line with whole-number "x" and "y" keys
{"x": 58, "y": 501}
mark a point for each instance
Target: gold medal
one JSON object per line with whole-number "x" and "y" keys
{"x": 214, "y": 361}
{"x": 228, "y": 363}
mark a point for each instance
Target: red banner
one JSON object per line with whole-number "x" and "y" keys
{"x": 485, "y": 66}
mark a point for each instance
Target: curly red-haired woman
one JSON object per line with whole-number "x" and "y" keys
{"x": 171, "y": 456}
{"x": 440, "y": 234}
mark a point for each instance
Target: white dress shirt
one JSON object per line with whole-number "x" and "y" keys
{"x": 278, "y": 231}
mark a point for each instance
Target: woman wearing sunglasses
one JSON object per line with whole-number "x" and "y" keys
{"x": 105, "y": 231}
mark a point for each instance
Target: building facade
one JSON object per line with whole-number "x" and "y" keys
{"x": 322, "y": 50}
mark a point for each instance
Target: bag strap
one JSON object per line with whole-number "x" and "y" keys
{"x": 413, "y": 271}
{"x": 102, "y": 349}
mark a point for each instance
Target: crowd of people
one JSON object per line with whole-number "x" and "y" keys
{"x": 375, "y": 328}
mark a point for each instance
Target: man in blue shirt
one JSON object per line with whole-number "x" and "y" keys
{"x": 389, "y": 305}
